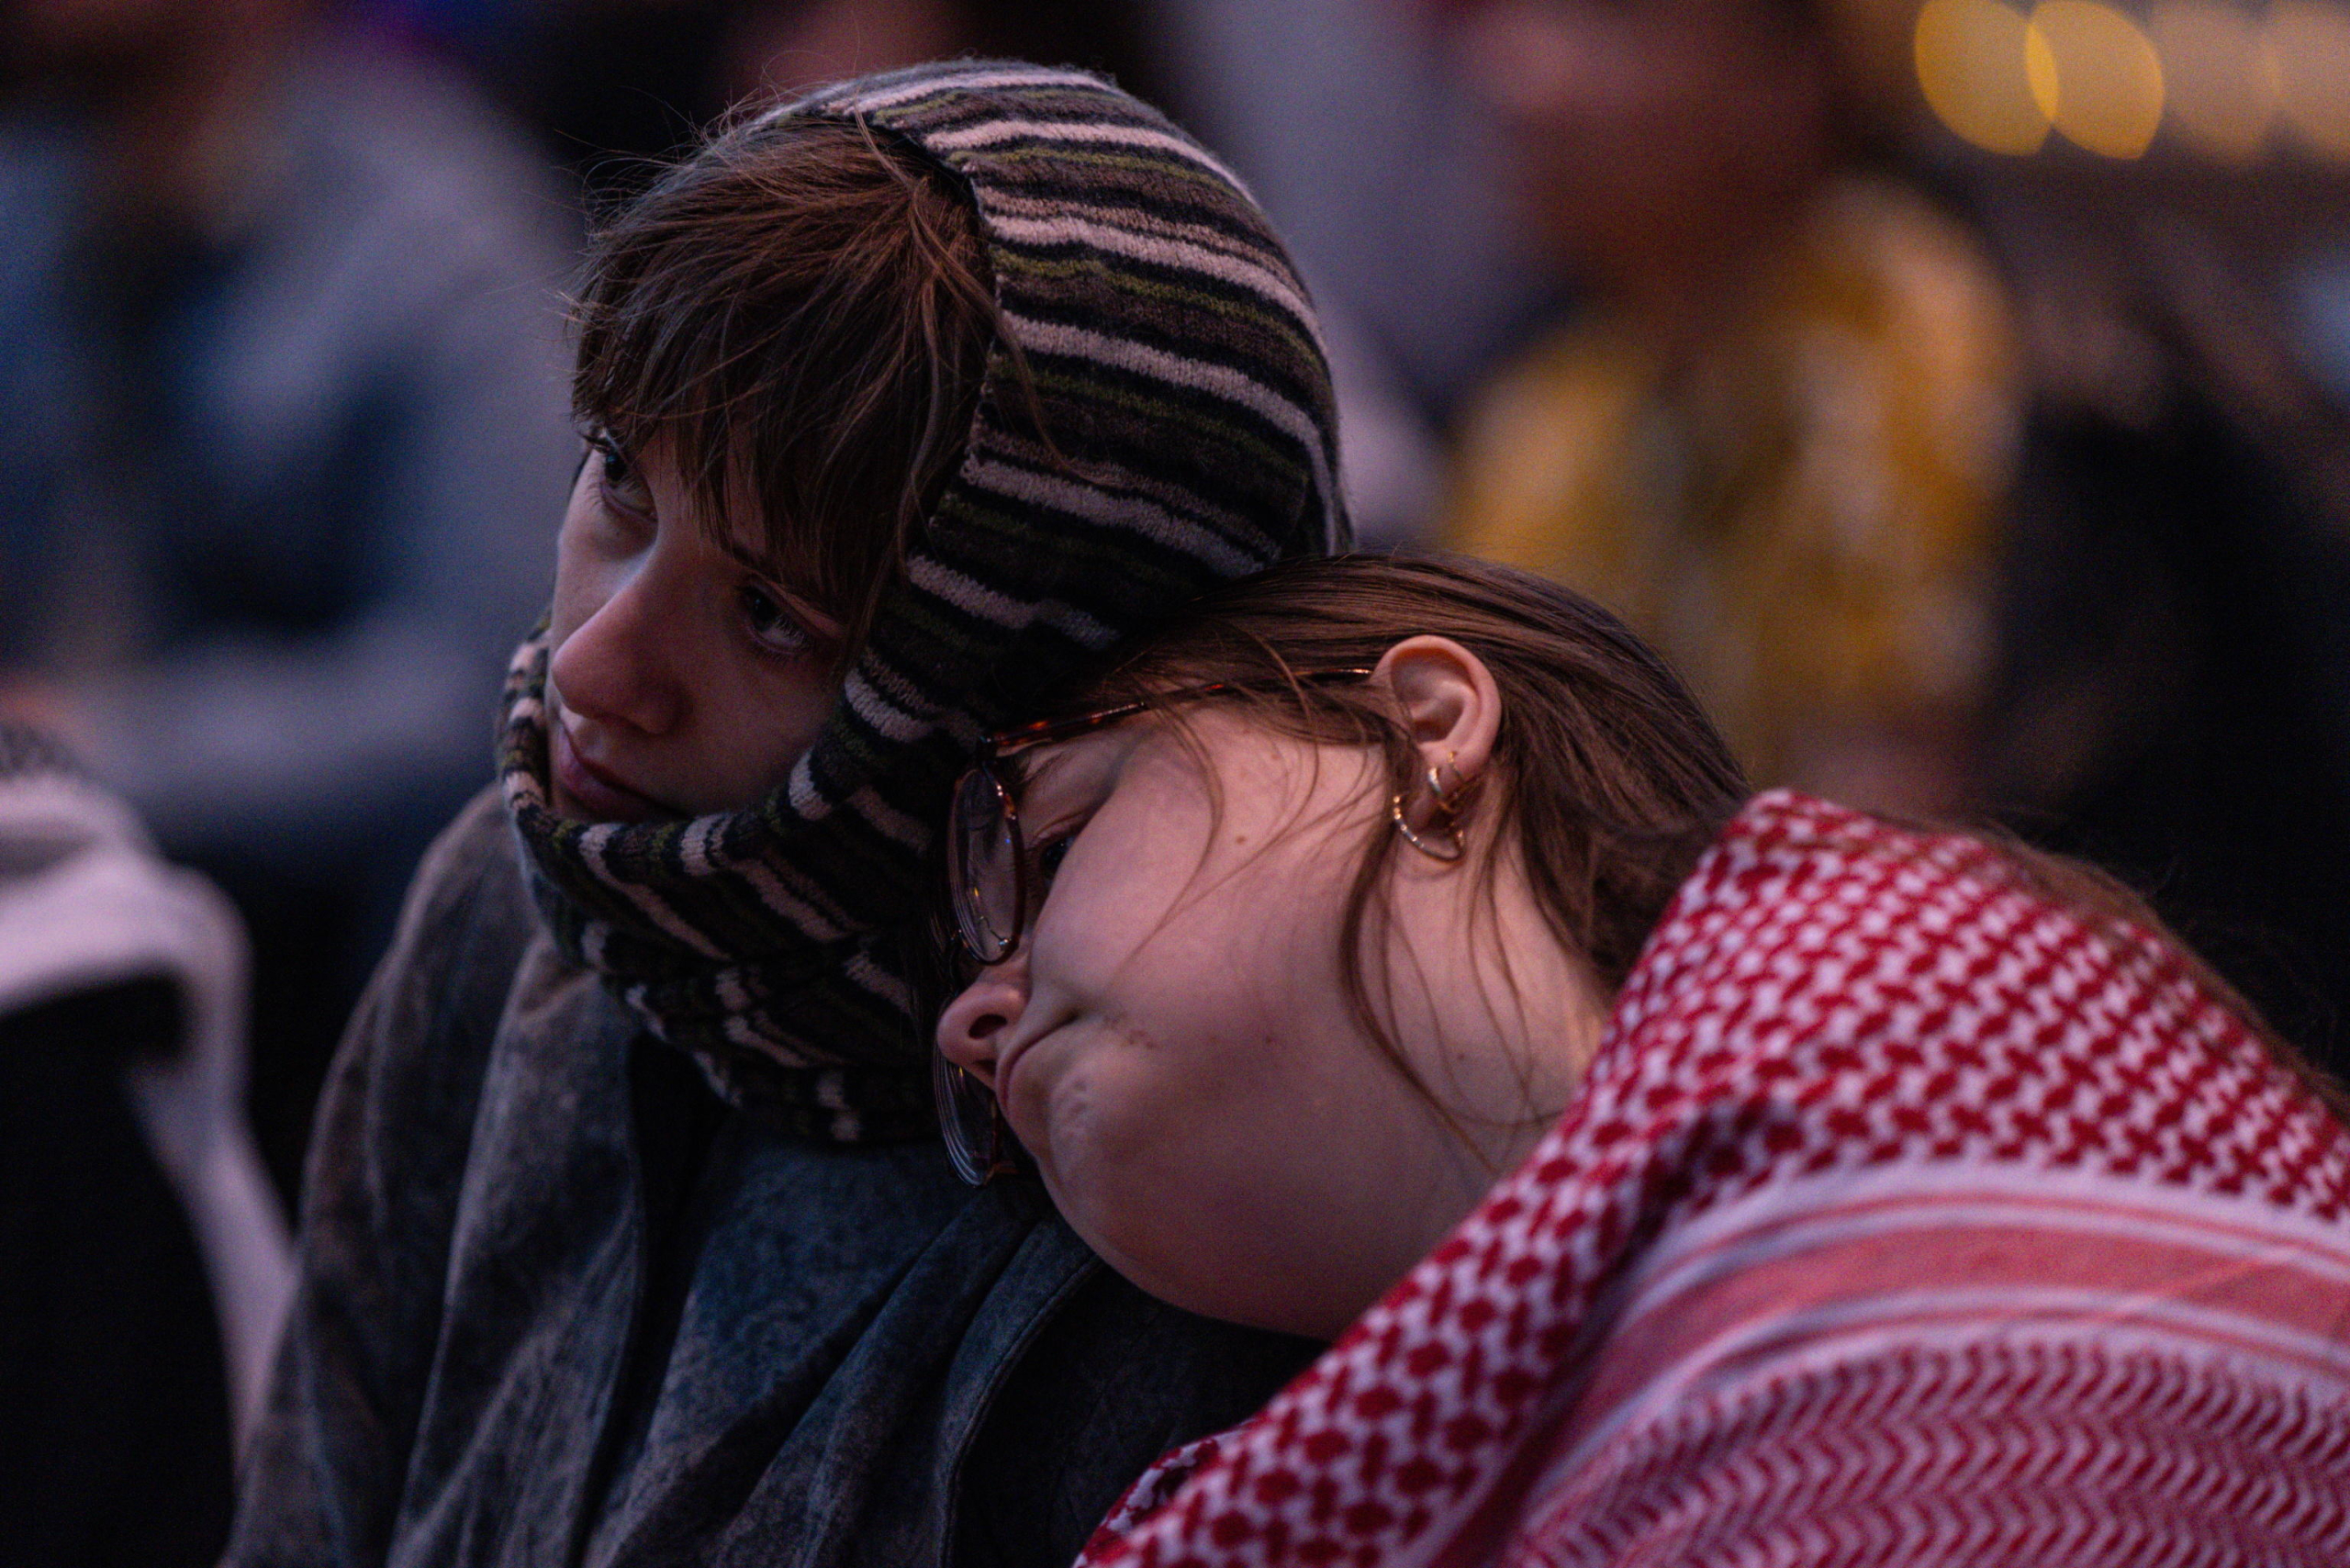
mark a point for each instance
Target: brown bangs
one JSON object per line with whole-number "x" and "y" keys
{"x": 799, "y": 315}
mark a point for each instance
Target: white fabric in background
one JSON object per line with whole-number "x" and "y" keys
{"x": 85, "y": 904}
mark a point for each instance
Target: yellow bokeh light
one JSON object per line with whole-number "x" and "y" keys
{"x": 2219, "y": 80}
{"x": 2310, "y": 42}
{"x": 2040, "y": 71}
{"x": 2095, "y": 75}
{"x": 1971, "y": 67}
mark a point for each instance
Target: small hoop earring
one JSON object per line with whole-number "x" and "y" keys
{"x": 1448, "y": 801}
{"x": 1446, "y": 805}
{"x": 1450, "y": 849}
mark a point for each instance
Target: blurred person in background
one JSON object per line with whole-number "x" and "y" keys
{"x": 1947, "y": 489}
{"x": 608, "y": 84}
{"x": 144, "y": 1261}
{"x": 1351, "y": 134}
{"x": 1774, "y": 435}
{"x": 2172, "y": 695}
{"x": 1384, "y": 170}
{"x": 283, "y": 426}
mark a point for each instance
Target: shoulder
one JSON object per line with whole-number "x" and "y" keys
{"x": 1582, "y": 375}
{"x": 419, "y": 1041}
{"x": 1538, "y": 442}
{"x": 1917, "y": 259}
{"x": 1926, "y": 295}
{"x": 471, "y": 878}
{"x": 1858, "y": 1065}
{"x": 1832, "y": 990}
{"x": 389, "y": 1153}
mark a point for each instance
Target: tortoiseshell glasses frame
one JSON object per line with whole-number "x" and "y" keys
{"x": 991, "y": 886}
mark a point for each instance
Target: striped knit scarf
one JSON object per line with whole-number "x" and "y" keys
{"x": 1184, "y": 394}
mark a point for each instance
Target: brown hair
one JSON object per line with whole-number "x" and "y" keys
{"x": 801, "y": 311}
{"x": 1606, "y": 777}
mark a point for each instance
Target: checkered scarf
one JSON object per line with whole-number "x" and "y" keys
{"x": 1907, "y": 1215}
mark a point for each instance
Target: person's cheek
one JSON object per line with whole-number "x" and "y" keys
{"x": 792, "y": 701}
{"x": 1089, "y": 1169}
{"x": 1123, "y": 1154}
{"x": 571, "y": 604}
{"x": 1197, "y": 1205}
{"x": 1029, "y": 1105}
{"x": 1081, "y": 1103}
{"x": 588, "y": 573}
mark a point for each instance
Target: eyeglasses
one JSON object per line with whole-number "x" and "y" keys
{"x": 993, "y": 885}
{"x": 990, "y": 878}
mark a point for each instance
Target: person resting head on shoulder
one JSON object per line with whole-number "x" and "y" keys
{"x": 1389, "y": 952}
{"x": 629, "y": 1230}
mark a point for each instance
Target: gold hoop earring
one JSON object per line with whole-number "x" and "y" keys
{"x": 1449, "y": 849}
{"x": 1444, "y": 800}
{"x": 1449, "y": 800}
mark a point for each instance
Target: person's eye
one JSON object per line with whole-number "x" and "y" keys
{"x": 1049, "y": 855}
{"x": 1049, "y": 848}
{"x": 623, "y": 485}
{"x": 771, "y": 624}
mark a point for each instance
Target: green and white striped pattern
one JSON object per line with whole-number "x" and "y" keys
{"x": 1188, "y": 435}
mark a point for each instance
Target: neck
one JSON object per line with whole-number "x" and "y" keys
{"x": 1500, "y": 1022}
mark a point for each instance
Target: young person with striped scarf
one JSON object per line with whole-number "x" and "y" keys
{"x": 627, "y": 1235}
{"x": 1389, "y": 952}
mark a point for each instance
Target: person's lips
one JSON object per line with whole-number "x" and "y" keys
{"x": 1014, "y": 1055}
{"x": 1003, "y": 1067}
{"x": 596, "y": 794}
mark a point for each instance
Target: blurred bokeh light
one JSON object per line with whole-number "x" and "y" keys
{"x": 2227, "y": 83}
{"x": 2220, "y": 76}
{"x": 1971, "y": 66}
{"x": 2311, "y": 44}
{"x": 2095, "y": 74}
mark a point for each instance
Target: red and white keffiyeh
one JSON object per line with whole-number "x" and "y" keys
{"x": 1905, "y": 1216}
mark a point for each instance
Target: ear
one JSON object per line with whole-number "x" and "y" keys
{"x": 1449, "y": 701}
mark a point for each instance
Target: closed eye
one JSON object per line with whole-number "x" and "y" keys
{"x": 1049, "y": 855}
{"x": 1060, "y": 789}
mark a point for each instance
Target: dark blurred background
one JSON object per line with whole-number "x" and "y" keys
{"x": 1955, "y": 393}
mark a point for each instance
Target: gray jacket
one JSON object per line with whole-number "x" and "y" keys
{"x": 560, "y": 1305}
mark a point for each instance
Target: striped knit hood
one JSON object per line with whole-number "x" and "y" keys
{"x": 1192, "y": 437}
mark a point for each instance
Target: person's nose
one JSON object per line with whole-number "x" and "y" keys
{"x": 974, "y": 1025}
{"x": 618, "y": 667}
